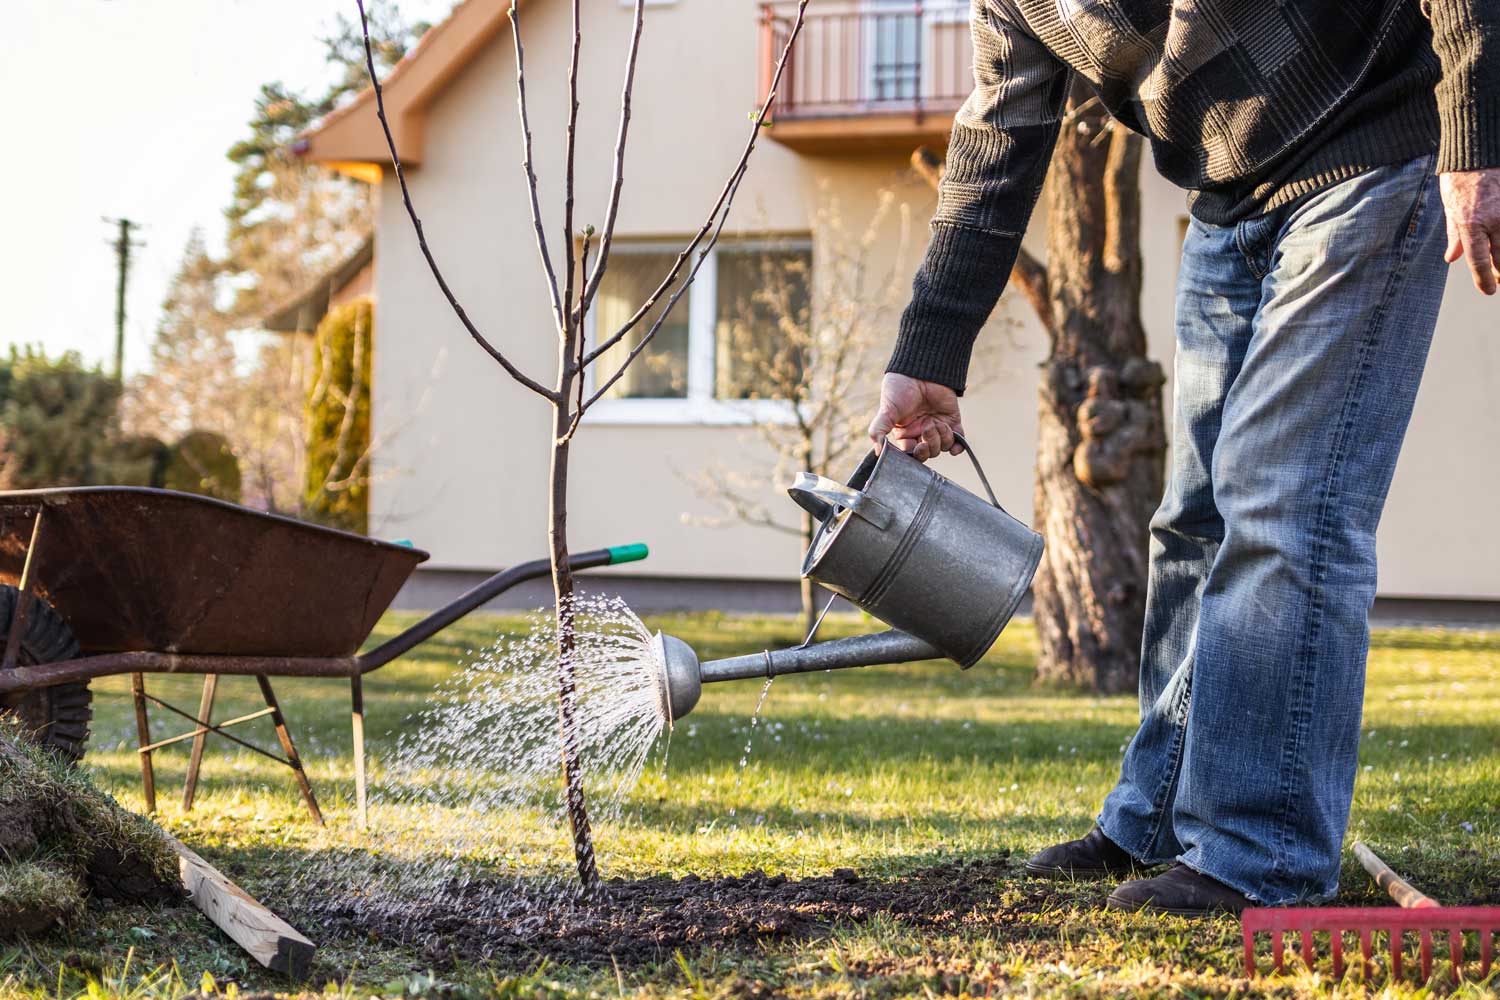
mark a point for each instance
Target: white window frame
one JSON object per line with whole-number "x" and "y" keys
{"x": 700, "y": 407}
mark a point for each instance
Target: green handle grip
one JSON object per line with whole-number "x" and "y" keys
{"x": 627, "y": 553}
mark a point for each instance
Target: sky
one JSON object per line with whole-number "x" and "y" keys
{"x": 126, "y": 108}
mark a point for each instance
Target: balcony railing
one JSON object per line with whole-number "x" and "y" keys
{"x": 870, "y": 57}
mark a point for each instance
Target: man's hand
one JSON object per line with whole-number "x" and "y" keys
{"x": 1471, "y": 201}
{"x": 920, "y": 417}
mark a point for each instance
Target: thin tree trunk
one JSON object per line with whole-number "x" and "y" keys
{"x": 1101, "y": 441}
{"x": 562, "y": 591}
{"x": 809, "y": 592}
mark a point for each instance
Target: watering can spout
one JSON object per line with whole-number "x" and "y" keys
{"x": 682, "y": 675}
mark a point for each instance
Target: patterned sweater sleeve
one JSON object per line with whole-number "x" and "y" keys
{"x": 997, "y": 159}
{"x": 1466, "y": 37}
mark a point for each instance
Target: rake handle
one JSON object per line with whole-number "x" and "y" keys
{"x": 1402, "y": 891}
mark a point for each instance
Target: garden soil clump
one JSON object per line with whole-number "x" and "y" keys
{"x": 63, "y": 841}
{"x": 647, "y": 920}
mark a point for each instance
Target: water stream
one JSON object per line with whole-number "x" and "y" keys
{"x": 471, "y": 795}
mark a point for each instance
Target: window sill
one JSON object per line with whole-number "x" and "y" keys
{"x": 689, "y": 412}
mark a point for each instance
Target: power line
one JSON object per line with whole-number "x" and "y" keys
{"x": 123, "y": 245}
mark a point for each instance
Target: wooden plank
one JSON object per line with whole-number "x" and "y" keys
{"x": 271, "y": 941}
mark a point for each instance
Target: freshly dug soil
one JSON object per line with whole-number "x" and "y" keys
{"x": 649, "y": 919}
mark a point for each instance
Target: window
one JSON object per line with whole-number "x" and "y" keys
{"x": 661, "y": 372}
{"x": 731, "y": 344}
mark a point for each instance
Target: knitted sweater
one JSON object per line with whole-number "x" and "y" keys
{"x": 1247, "y": 103}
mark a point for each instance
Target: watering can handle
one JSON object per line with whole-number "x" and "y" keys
{"x": 818, "y": 495}
{"x": 969, "y": 450}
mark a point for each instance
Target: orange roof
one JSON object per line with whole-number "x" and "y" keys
{"x": 349, "y": 138}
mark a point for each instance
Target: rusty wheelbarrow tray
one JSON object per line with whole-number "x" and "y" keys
{"x": 155, "y": 581}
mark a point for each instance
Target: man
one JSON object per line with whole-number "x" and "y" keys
{"x": 1328, "y": 147}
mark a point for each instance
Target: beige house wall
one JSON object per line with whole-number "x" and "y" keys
{"x": 461, "y": 451}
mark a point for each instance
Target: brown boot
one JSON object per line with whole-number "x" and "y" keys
{"x": 1095, "y": 856}
{"x": 1180, "y": 891}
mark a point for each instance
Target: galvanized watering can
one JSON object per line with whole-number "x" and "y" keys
{"x": 945, "y": 568}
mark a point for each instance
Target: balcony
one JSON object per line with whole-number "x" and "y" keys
{"x": 868, "y": 75}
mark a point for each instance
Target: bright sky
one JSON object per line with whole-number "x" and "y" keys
{"x": 126, "y": 107}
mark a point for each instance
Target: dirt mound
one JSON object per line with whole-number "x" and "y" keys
{"x": 62, "y": 840}
{"x": 649, "y": 919}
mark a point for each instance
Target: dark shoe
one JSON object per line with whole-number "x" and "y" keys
{"x": 1095, "y": 856}
{"x": 1180, "y": 891}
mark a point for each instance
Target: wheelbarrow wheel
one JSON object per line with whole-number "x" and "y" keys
{"x": 56, "y": 717}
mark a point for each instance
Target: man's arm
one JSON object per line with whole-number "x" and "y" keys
{"x": 1466, "y": 37}
{"x": 997, "y": 159}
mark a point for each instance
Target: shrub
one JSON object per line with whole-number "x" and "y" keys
{"x": 58, "y": 420}
{"x": 203, "y": 463}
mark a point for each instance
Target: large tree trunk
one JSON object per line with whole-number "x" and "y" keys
{"x": 1101, "y": 442}
{"x": 567, "y": 698}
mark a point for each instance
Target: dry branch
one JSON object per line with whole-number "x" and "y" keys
{"x": 617, "y": 183}
{"x": 437, "y": 274}
{"x": 528, "y": 163}
{"x": 715, "y": 222}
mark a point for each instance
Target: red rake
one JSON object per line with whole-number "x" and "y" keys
{"x": 1419, "y": 913}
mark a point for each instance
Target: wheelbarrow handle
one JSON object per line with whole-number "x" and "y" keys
{"x": 486, "y": 591}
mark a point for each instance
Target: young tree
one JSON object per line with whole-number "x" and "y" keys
{"x": 824, "y": 328}
{"x": 571, "y": 298}
{"x": 1101, "y": 443}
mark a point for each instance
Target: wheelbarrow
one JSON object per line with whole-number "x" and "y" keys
{"x": 97, "y": 581}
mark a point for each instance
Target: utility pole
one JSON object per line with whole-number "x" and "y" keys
{"x": 123, "y": 246}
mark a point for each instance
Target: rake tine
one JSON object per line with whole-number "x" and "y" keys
{"x": 1486, "y": 951}
{"x": 1276, "y": 949}
{"x": 1336, "y": 945}
{"x": 1456, "y": 950}
{"x": 1364, "y": 950}
{"x": 1396, "y": 935}
{"x": 1307, "y": 947}
{"x": 1250, "y": 969}
{"x": 1426, "y": 938}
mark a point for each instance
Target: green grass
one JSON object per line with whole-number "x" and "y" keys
{"x": 884, "y": 770}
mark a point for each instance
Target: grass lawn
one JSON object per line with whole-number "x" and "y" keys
{"x": 884, "y": 770}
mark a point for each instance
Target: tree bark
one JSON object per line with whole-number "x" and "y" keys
{"x": 809, "y": 592}
{"x": 1101, "y": 441}
{"x": 562, "y": 592}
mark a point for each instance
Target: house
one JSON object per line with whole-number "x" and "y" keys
{"x": 461, "y": 450}
{"x": 349, "y": 279}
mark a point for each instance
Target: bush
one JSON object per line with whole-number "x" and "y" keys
{"x": 61, "y": 839}
{"x": 338, "y": 419}
{"x": 202, "y": 462}
{"x": 140, "y": 461}
{"x": 58, "y": 419}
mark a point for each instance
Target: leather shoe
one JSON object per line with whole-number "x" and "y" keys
{"x": 1094, "y": 856}
{"x": 1179, "y": 891}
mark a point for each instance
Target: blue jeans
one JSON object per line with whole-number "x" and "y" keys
{"x": 1301, "y": 338}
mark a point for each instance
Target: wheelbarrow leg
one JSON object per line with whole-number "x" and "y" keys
{"x": 357, "y": 712}
{"x": 143, "y": 738}
{"x": 205, "y": 719}
{"x": 291, "y": 750}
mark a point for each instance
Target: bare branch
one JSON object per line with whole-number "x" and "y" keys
{"x": 437, "y": 274}
{"x": 529, "y": 164}
{"x": 570, "y": 265}
{"x": 613, "y": 210}
{"x": 714, "y": 223}
{"x": 1030, "y": 275}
